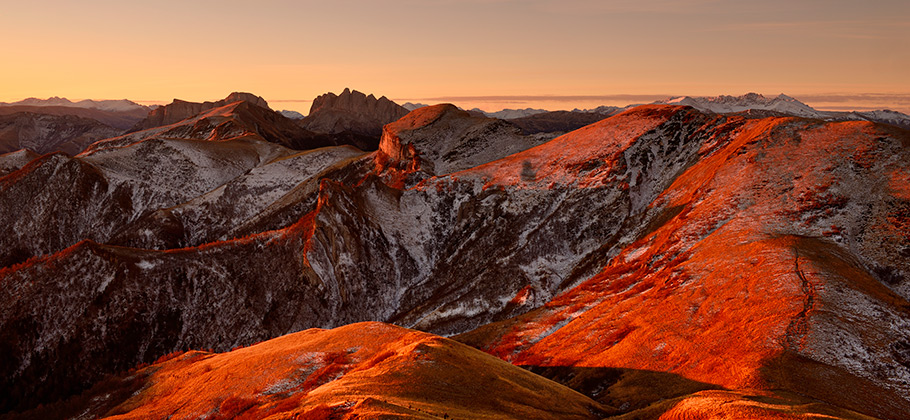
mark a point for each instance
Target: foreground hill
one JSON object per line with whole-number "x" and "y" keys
{"x": 763, "y": 260}
{"x": 374, "y": 370}
{"x": 367, "y": 371}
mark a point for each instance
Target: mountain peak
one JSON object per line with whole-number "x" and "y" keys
{"x": 179, "y": 109}
{"x": 352, "y": 111}
{"x": 750, "y": 101}
{"x": 245, "y": 96}
{"x": 786, "y": 98}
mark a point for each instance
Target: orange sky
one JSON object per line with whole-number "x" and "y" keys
{"x": 522, "y": 53}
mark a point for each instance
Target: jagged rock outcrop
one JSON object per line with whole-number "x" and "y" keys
{"x": 179, "y": 110}
{"x": 442, "y": 139}
{"x": 353, "y": 113}
{"x": 45, "y": 133}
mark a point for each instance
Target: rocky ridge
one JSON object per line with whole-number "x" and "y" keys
{"x": 353, "y": 113}
{"x": 179, "y": 110}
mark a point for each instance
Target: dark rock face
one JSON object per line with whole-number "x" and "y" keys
{"x": 180, "y": 110}
{"x": 590, "y": 249}
{"x": 352, "y": 113}
{"x": 45, "y": 133}
{"x": 557, "y": 121}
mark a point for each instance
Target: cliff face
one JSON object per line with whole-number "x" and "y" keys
{"x": 179, "y": 110}
{"x": 354, "y": 113}
{"x": 746, "y": 254}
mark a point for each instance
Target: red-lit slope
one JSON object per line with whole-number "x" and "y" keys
{"x": 755, "y": 269}
{"x": 445, "y": 259}
{"x": 648, "y": 213}
{"x": 367, "y": 370}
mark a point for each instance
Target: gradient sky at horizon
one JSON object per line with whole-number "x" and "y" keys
{"x": 493, "y": 54}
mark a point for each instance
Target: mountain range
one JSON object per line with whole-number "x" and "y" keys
{"x": 121, "y": 105}
{"x": 533, "y": 120}
{"x": 685, "y": 260}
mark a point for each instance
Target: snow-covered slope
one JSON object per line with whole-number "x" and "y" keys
{"x": 410, "y": 106}
{"x": 13, "y": 161}
{"x": 751, "y": 101}
{"x": 895, "y": 118}
{"x": 245, "y": 204}
{"x": 294, "y": 115}
{"x": 785, "y": 105}
{"x": 508, "y": 114}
